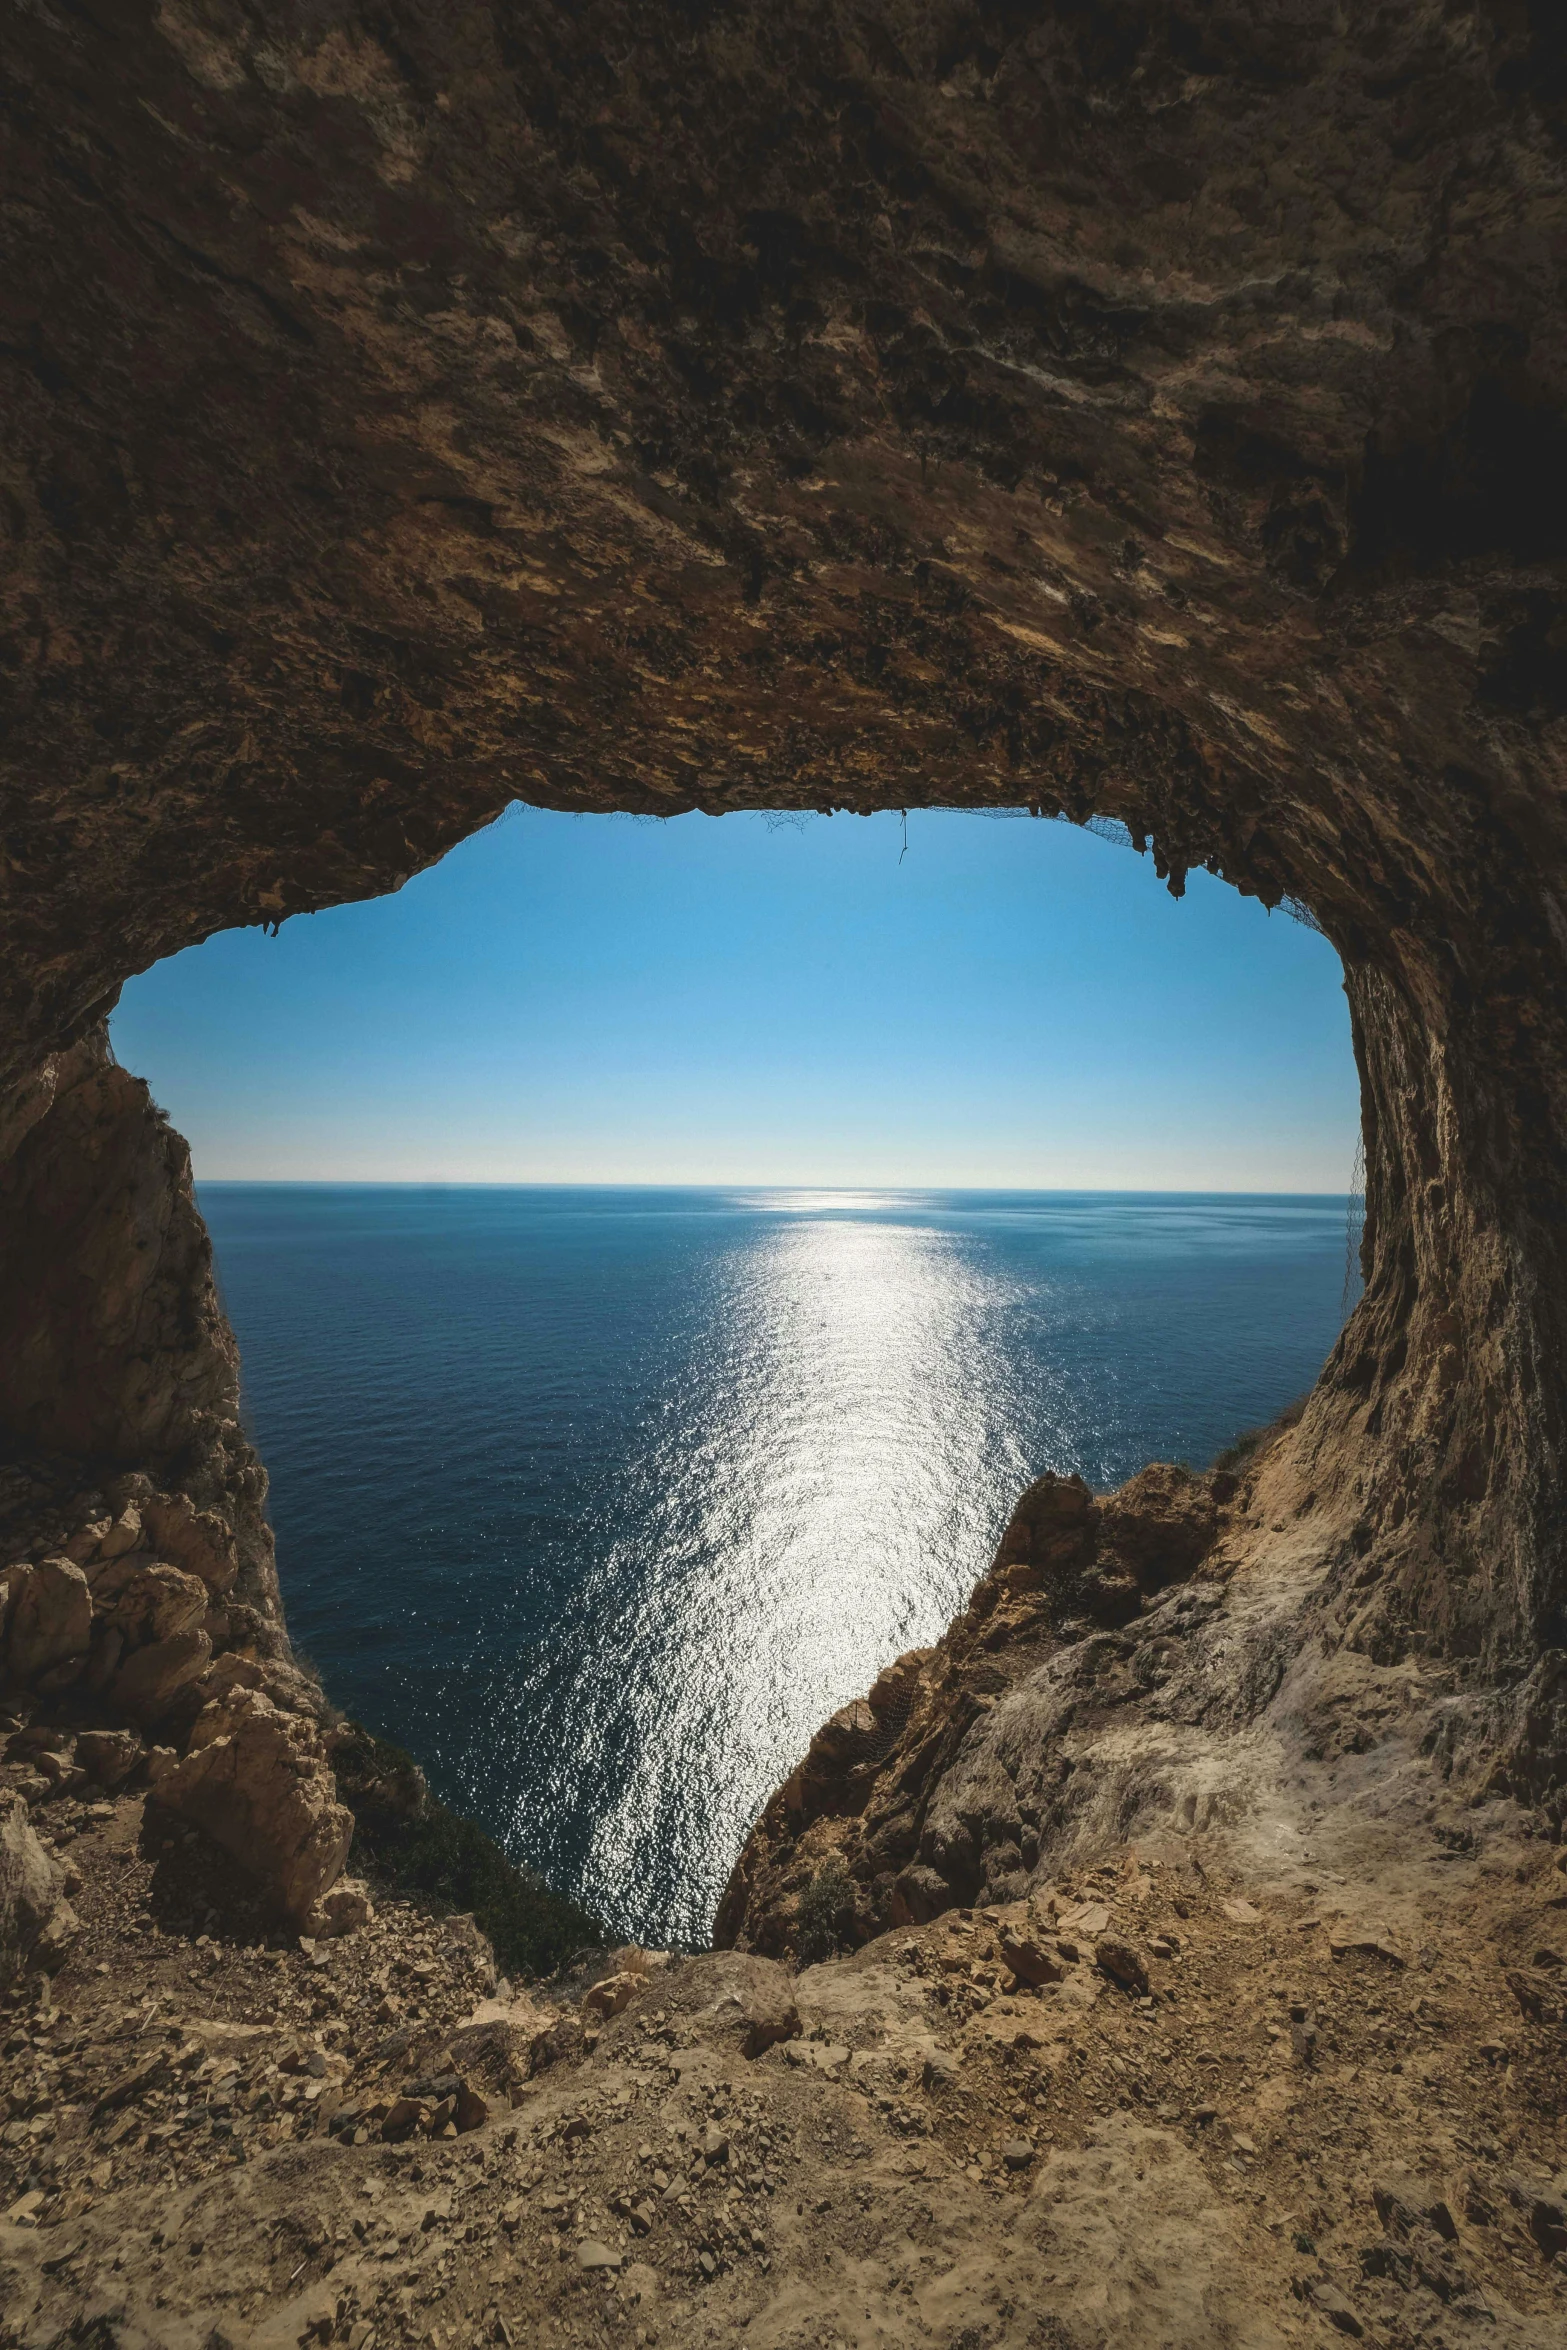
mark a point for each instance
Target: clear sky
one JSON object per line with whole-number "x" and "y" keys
{"x": 594, "y": 999}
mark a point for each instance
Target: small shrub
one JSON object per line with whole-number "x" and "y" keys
{"x": 1252, "y": 1442}
{"x": 824, "y": 1918}
{"x": 413, "y": 1843}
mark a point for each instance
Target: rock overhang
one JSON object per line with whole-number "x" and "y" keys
{"x": 1108, "y": 412}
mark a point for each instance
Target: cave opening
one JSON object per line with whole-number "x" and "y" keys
{"x": 599, "y": 1482}
{"x": 722, "y": 408}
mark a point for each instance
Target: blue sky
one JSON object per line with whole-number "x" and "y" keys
{"x": 592, "y": 999}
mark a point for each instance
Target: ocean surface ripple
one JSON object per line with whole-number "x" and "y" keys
{"x": 601, "y": 1500}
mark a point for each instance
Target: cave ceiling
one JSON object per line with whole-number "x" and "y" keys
{"x": 1145, "y": 410}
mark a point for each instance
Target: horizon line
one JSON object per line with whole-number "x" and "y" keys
{"x": 743, "y": 1183}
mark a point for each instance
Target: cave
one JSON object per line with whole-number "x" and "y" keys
{"x": 1141, "y": 413}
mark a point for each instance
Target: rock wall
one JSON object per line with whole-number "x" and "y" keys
{"x": 1153, "y": 412}
{"x": 116, "y": 1347}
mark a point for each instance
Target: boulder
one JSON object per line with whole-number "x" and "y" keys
{"x": 150, "y": 1679}
{"x": 150, "y": 1600}
{"x": 50, "y": 1619}
{"x": 733, "y": 1999}
{"x": 1123, "y": 1962}
{"x": 609, "y": 1995}
{"x": 199, "y": 1541}
{"x": 121, "y": 1534}
{"x": 258, "y": 1782}
{"x": 1025, "y": 1951}
{"x": 342, "y": 1909}
{"x": 37, "y": 1923}
{"x": 108, "y": 1756}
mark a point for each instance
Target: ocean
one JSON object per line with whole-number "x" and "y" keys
{"x": 600, "y": 1501}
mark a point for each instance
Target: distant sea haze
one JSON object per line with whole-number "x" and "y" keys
{"x": 602, "y": 1500}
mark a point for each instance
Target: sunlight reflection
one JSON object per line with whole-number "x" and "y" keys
{"x": 817, "y": 1510}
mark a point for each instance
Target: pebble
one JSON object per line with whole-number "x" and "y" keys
{"x": 596, "y": 2256}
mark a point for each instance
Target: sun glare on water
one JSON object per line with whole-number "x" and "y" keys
{"x": 813, "y": 1507}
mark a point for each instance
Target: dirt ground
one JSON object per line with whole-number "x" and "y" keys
{"x": 1235, "y": 2113}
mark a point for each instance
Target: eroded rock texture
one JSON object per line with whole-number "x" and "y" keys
{"x": 1149, "y": 411}
{"x": 116, "y": 1347}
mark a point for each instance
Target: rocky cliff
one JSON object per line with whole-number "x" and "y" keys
{"x": 1156, "y": 412}
{"x": 1150, "y": 412}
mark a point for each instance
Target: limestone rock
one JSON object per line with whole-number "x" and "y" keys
{"x": 608, "y": 1996}
{"x": 152, "y": 1677}
{"x": 37, "y": 1923}
{"x": 108, "y": 1756}
{"x": 49, "y": 1619}
{"x": 148, "y": 1599}
{"x": 257, "y": 1781}
{"x": 199, "y": 1541}
{"x": 342, "y": 1909}
{"x": 122, "y": 1534}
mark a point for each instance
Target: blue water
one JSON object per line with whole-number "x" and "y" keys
{"x": 601, "y": 1500}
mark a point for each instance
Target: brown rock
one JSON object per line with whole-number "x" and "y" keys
{"x": 149, "y": 1600}
{"x": 37, "y": 1923}
{"x": 199, "y": 1541}
{"x": 470, "y": 2111}
{"x": 151, "y": 1678}
{"x": 122, "y": 1534}
{"x": 108, "y": 1756}
{"x": 49, "y": 1619}
{"x": 1335, "y": 2307}
{"x": 1352, "y": 1942}
{"x": 403, "y": 2117}
{"x": 257, "y": 1781}
{"x": 609, "y": 1996}
{"x": 1123, "y": 1962}
{"x": 1030, "y": 1959}
{"x": 342, "y": 1909}
{"x": 735, "y": 1999}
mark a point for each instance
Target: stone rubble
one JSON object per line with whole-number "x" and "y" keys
{"x": 116, "y": 1618}
{"x": 220, "y": 2130}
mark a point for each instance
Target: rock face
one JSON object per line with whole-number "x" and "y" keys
{"x": 1151, "y": 413}
{"x": 258, "y": 1781}
{"x": 116, "y": 1347}
{"x": 1176, "y": 1658}
{"x": 953, "y": 1782}
{"x": 37, "y": 1923}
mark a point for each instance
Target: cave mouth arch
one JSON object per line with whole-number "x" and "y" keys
{"x": 958, "y": 1344}
{"x": 783, "y": 411}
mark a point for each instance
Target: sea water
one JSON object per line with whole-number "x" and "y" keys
{"x": 601, "y": 1500}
